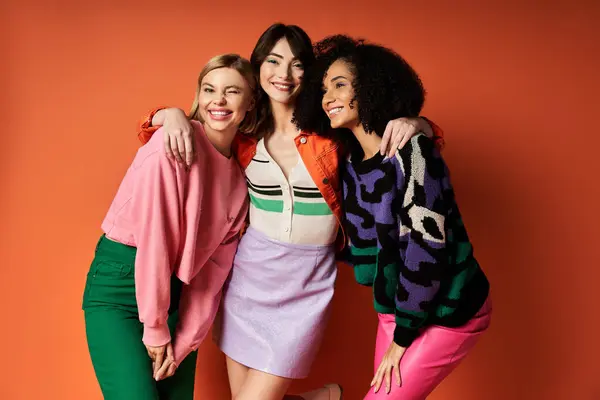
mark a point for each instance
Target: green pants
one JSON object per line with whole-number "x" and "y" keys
{"x": 114, "y": 331}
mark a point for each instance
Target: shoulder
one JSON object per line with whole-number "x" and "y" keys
{"x": 321, "y": 140}
{"x": 243, "y": 141}
{"x": 419, "y": 144}
{"x": 157, "y": 141}
{"x": 419, "y": 149}
{"x": 321, "y": 146}
{"x": 421, "y": 156}
{"x": 200, "y": 137}
{"x": 152, "y": 153}
{"x": 242, "y": 146}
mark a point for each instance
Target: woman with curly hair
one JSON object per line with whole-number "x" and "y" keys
{"x": 406, "y": 236}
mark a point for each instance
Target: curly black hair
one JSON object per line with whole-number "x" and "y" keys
{"x": 386, "y": 87}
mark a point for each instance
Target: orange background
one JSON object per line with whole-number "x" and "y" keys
{"x": 513, "y": 86}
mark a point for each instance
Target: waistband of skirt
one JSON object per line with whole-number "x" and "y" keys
{"x": 261, "y": 237}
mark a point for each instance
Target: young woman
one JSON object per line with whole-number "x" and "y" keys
{"x": 406, "y": 236}
{"x": 276, "y": 303}
{"x": 169, "y": 240}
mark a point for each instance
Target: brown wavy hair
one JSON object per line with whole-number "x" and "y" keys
{"x": 301, "y": 46}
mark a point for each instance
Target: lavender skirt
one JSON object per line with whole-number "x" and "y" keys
{"x": 276, "y": 304}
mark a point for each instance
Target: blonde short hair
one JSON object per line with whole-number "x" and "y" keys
{"x": 241, "y": 65}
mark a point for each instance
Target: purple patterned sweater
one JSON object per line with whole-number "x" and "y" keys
{"x": 408, "y": 240}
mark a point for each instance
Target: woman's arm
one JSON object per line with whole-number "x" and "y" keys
{"x": 178, "y": 133}
{"x": 399, "y": 131}
{"x": 200, "y": 300}
{"x": 157, "y": 201}
{"x": 422, "y": 232}
{"x": 146, "y": 129}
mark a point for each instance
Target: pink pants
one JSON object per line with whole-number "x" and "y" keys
{"x": 430, "y": 358}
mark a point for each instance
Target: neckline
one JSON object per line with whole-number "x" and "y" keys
{"x": 220, "y": 156}
{"x": 263, "y": 148}
{"x": 369, "y": 164}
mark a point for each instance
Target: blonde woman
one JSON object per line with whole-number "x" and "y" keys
{"x": 169, "y": 240}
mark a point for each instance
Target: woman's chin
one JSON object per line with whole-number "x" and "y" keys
{"x": 335, "y": 124}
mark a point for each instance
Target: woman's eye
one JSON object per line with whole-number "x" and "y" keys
{"x": 299, "y": 66}
{"x": 233, "y": 92}
{"x": 208, "y": 90}
{"x": 271, "y": 61}
{"x": 339, "y": 85}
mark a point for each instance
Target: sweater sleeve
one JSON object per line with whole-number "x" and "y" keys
{"x": 157, "y": 196}
{"x": 422, "y": 236}
{"x": 200, "y": 300}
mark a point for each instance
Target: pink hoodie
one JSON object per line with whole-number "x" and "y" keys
{"x": 182, "y": 222}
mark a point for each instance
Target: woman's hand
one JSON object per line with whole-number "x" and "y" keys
{"x": 389, "y": 363}
{"x": 166, "y": 370}
{"x": 163, "y": 361}
{"x": 399, "y": 131}
{"x": 178, "y": 135}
